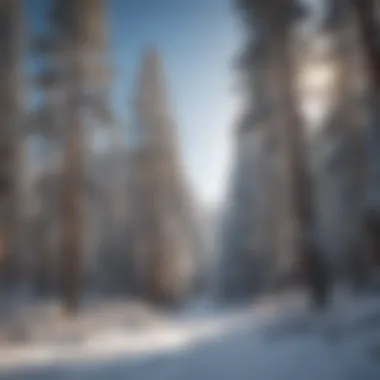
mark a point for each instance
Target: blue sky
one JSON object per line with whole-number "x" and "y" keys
{"x": 198, "y": 40}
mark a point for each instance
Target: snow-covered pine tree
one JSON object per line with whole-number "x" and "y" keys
{"x": 164, "y": 254}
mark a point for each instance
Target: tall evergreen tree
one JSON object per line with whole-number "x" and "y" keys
{"x": 246, "y": 244}
{"x": 296, "y": 257}
{"x": 331, "y": 69}
{"x": 348, "y": 120}
{"x": 12, "y": 44}
{"x": 160, "y": 208}
{"x": 76, "y": 45}
{"x": 367, "y": 12}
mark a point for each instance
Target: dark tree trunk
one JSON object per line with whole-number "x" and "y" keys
{"x": 11, "y": 45}
{"x": 72, "y": 207}
{"x": 308, "y": 266}
{"x": 367, "y": 12}
{"x": 42, "y": 255}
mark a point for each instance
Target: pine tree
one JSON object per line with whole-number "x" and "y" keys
{"x": 77, "y": 70}
{"x": 47, "y": 123}
{"x": 246, "y": 241}
{"x": 163, "y": 246}
{"x": 367, "y": 12}
{"x": 349, "y": 106}
{"x": 296, "y": 258}
{"x": 12, "y": 44}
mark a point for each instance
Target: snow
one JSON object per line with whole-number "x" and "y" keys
{"x": 260, "y": 342}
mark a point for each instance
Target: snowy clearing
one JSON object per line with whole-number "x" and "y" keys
{"x": 259, "y": 342}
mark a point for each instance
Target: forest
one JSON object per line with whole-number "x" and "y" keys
{"x": 95, "y": 210}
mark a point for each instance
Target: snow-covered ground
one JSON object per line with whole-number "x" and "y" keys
{"x": 267, "y": 341}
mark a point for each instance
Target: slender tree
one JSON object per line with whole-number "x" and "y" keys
{"x": 46, "y": 125}
{"x": 349, "y": 107}
{"x": 367, "y": 12}
{"x": 12, "y": 43}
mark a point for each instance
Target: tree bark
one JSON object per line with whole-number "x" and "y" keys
{"x": 11, "y": 45}
{"x": 369, "y": 25}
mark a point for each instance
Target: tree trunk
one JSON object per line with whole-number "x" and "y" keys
{"x": 369, "y": 33}
{"x": 42, "y": 254}
{"x": 307, "y": 265}
{"x": 73, "y": 170}
{"x": 11, "y": 45}
{"x": 72, "y": 223}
